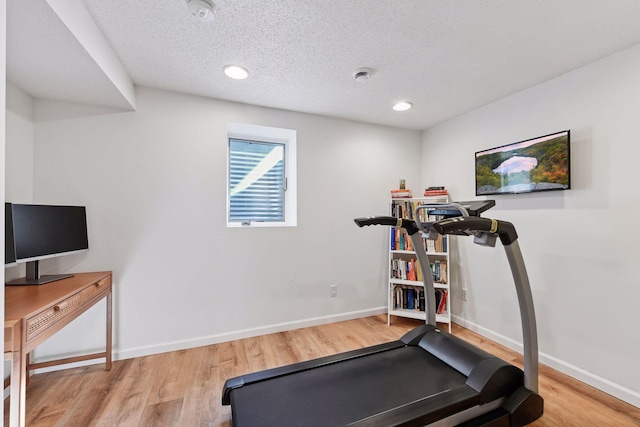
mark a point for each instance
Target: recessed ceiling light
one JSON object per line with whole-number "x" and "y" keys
{"x": 236, "y": 72}
{"x": 203, "y": 10}
{"x": 402, "y": 106}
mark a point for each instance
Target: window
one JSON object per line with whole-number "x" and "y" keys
{"x": 261, "y": 188}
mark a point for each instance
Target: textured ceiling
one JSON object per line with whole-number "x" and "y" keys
{"x": 46, "y": 60}
{"x": 447, "y": 57}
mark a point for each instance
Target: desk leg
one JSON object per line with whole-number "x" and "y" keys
{"x": 26, "y": 367}
{"x": 109, "y": 332}
{"x": 18, "y": 389}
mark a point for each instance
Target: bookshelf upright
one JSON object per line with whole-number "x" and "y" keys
{"x": 406, "y": 292}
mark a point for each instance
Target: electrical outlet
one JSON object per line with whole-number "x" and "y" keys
{"x": 333, "y": 291}
{"x": 464, "y": 294}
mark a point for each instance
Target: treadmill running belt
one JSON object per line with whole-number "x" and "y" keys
{"x": 346, "y": 392}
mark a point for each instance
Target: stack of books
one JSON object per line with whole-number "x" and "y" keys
{"x": 436, "y": 191}
{"x": 401, "y": 194}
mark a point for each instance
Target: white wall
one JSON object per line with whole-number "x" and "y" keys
{"x": 19, "y": 145}
{"x": 581, "y": 245}
{"x": 154, "y": 184}
{"x": 19, "y": 155}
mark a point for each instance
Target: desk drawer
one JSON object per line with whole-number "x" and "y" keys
{"x": 66, "y": 307}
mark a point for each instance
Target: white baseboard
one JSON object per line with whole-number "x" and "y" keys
{"x": 623, "y": 393}
{"x": 119, "y": 354}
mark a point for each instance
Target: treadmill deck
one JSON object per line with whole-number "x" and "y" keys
{"x": 349, "y": 391}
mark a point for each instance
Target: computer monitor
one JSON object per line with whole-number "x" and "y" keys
{"x": 37, "y": 232}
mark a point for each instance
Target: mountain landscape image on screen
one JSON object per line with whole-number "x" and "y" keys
{"x": 538, "y": 164}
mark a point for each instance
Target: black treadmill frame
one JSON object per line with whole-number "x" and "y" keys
{"x": 514, "y": 407}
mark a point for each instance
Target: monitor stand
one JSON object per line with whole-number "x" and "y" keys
{"x": 34, "y": 278}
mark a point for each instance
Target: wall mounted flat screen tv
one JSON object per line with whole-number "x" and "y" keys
{"x": 537, "y": 164}
{"x": 37, "y": 232}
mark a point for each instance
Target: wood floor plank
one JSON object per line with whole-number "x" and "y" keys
{"x": 165, "y": 413}
{"x": 201, "y": 387}
{"x": 282, "y": 348}
{"x": 259, "y": 353}
{"x": 125, "y": 397}
{"x": 93, "y": 389}
{"x": 184, "y": 388}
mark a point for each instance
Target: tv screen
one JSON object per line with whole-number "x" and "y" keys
{"x": 537, "y": 164}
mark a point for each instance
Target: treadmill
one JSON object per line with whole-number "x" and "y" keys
{"x": 427, "y": 377}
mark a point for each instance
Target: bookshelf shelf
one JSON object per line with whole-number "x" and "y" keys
{"x": 406, "y": 292}
{"x": 413, "y": 314}
{"x": 416, "y": 283}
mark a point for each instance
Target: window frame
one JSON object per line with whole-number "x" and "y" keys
{"x": 267, "y": 134}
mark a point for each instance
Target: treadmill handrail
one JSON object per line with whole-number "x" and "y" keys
{"x": 509, "y": 238}
{"x": 407, "y": 224}
{"x": 470, "y": 225}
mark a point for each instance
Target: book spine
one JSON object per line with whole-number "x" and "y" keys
{"x": 393, "y": 239}
{"x": 438, "y": 298}
{"x": 442, "y": 304}
{"x": 411, "y": 274}
{"x": 443, "y": 272}
{"x": 410, "y": 298}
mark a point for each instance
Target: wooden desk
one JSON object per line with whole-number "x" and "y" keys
{"x": 34, "y": 313}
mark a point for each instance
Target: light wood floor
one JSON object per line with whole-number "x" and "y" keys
{"x": 183, "y": 388}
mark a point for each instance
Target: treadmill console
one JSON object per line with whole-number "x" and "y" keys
{"x": 473, "y": 208}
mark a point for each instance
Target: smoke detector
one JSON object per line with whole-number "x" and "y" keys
{"x": 362, "y": 74}
{"x": 203, "y": 10}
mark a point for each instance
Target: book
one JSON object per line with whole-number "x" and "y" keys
{"x": 442, "y": 304}
{"x": 397, "y": 297}
{"x": 436, "y": 193}
{"x": 418, "y": 272}
{"x": 411, "y": 274}
{"x": 443, "y": 272}
{"x": 438, "y": 298}
{"x": 401, "y": 194}
{"x": 411, "y": 298}
{"x": 393, "y": 239}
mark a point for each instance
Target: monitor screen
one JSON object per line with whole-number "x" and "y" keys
{"x": 9, "y": 245}
{"x": 42, "y": 231}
